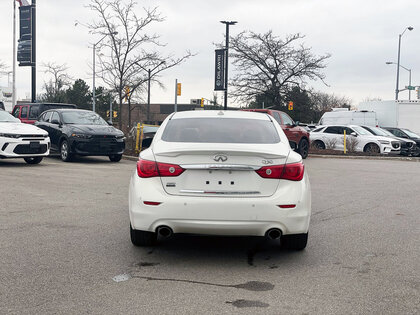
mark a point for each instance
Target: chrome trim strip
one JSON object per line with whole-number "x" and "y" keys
{"x": 232, "y": 167}
{"x": 219, "y": 192}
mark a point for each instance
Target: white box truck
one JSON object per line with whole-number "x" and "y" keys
{"x": 401, "y": 114}
{"x": 344, "y": 116}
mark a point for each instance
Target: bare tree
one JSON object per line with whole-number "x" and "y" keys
{"x": 325, "y": 102}
{"x": 55, "y": 87}
{"x": 130, "y": 51}
{"x": 268, "y": 65}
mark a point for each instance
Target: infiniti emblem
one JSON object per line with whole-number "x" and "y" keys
{"x": 220, "y": 158}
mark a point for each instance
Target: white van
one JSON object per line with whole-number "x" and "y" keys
{"x": 343, "y": 116}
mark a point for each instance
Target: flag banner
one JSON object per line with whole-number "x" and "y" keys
{"x": 219, "y": 77}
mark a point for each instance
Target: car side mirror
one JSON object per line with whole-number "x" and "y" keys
{"x": 353, "y": 134}
{"x": 297, "y": 123}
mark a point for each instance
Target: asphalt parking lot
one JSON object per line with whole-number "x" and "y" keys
{"x": 65, "y": 247}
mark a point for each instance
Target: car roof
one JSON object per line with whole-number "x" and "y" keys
{"x": 68, "y": 110}
{"x": 219, "y": 114}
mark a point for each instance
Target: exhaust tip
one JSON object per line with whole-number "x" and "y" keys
{"x": 273, "y": 234}
{"x": 164, "y": 231}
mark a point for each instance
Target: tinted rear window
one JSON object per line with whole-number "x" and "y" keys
{"x": 220, "y": 130}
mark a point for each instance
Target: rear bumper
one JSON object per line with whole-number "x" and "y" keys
{"x": 220, "y": 215}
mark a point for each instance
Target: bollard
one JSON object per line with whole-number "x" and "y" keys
{"x": 345, "y": 147}
{"x": 137, "y": 138}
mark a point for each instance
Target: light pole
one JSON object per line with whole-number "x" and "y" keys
{"x": 409, "y": 77}
{"x": 94, "y": 71}
{"x": 149, "y": 77}
{"x": 398, "y": 61}
{"x": 227, "y": 57}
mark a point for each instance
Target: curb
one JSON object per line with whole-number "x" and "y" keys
{"x": 130, "y": 158}
{"x": 349, "y": 157}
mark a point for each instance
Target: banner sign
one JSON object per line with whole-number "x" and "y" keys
{"x": 24, "y": 53}
{"x": 219, "y": 78}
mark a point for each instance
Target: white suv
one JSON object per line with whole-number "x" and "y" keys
{"x": 332, "y": 137}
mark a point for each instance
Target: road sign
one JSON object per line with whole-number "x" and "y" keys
{"x": 178, "y": 89}
{"x": 410, "y": 87}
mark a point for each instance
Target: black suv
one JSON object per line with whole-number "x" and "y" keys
{"x": 406, "y": 134}
{"x": 81, "y": 132}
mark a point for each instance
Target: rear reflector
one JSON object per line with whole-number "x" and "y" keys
{"x": 151, "y": 203}
{"x": 146, "y": 168}
{"x": 287, "y": 206}
{"x": 292, "y": 171}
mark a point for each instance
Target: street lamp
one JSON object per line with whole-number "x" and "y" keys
{"x": 227, "y": 56}
{"x": 94, "y": 72}
{"x": 398, "y": 61}
{"x": 149, "y": 77}
{"x": 409, "y": 77}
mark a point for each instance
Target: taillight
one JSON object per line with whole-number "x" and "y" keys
{"x": 288, "y": 171}
{"x": 146, "y": 168}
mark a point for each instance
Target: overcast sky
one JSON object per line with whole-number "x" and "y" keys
{"x": 360, "y": 35}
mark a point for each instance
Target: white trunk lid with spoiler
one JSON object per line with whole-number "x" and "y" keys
{"x": 220, "y": 169}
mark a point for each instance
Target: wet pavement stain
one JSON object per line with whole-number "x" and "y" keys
{"x": 147, "y": 264}
{"x": 249, "y": 286}
{"x": 248, "y": 303}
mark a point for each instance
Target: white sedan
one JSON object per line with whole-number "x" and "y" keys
{"x": 220, "y": 173}
{"x": 361, "y": 140}
{"x": 18, "y": 140}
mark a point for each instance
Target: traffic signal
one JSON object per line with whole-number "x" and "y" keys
{"x": 115, "y": 114}
{"x": 127, "y": 92}
{"x": 290, "y": 107}
{"x": 178, "y": 89}
{"x": 202, "y": 102}
{"x": 107, "y": 113}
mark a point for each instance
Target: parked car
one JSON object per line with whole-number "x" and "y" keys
{"x": 333, "y": 137}
{"x": 81, "y": 132}
{"x": 406, "y": 134}
{"x": 298, "y": 136}
{"x": 220, "y": 173}
{"x": 408, "y": 147}
{"x": 28, "y": 113}
{"x": 19, "y": 140}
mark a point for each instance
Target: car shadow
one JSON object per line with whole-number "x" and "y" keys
{"x": 19, "y": 162}
{"x": 83, "y": 159}
{"x": 251, "y": 251}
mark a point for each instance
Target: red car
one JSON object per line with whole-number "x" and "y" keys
{"x": 28, "y": 113}
{"x": 298, "y": 136}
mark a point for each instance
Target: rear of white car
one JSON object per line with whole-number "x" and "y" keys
{"x": 220, "y": 173}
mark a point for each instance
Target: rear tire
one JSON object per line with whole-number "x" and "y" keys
{"x": 65, "y": 154}
{"x": 319, "y": 145}
{"x": 303, "y": 148}
{"x": 294, "y": 241}
{"x": 33, "y": 160}
{"x": 115, "y": 157}
{"x": 142, "y": 238}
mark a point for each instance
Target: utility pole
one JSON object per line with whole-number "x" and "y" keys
{"x": 33, "y": 67}
{"x": 227, "y": 58}
{"x": 14, "y": 56}
{"x": 176, "y": 96}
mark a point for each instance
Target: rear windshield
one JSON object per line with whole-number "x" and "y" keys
{"x": 220, "y": 130}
